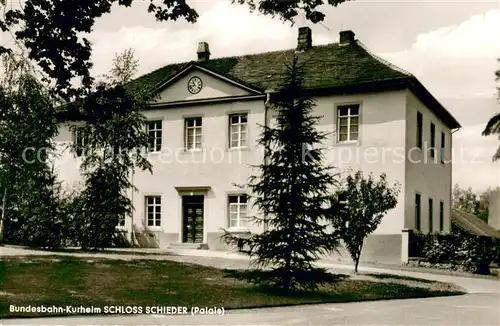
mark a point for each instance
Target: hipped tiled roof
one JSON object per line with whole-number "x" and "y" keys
{"x": 332, "y": 68}
{"x": 324, "y": 66}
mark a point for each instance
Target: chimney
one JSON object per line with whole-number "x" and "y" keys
{"x": 203, "y": 51}
{"x": 304, "y": 41}
{"x": 346, "y": 37}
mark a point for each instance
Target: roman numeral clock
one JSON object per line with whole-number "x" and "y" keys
{"x": 194, "y": 85}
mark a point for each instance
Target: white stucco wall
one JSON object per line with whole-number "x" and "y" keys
{"x": 212, "y": 88}
{"x": 67, "y": 164}
{"x": 424, "y": 175}
{"x": 380, "y": 146}
{"x": 215, "y": 166}
{"x": 387, "y": 130}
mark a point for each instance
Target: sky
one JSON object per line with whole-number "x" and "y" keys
{"x": 450, "y": 46}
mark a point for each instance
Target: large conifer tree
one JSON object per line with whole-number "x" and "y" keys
{"x": 290, "y": 192}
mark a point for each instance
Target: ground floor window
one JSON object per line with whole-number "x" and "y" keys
{"x": 417, "y": 212}
{"x": 431, "y": 215}
{"x": 79, "y": 141}
{"x": 153, "y": 211}
{"x": 238, "y": 211}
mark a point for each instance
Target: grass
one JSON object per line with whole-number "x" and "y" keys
{"x": 398, "y": 277}
{"x": 61, "y": 281}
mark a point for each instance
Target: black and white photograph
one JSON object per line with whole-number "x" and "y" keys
{"x": 250, "y": 162}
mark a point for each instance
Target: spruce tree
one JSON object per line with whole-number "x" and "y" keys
{"x": 290, "y": 192}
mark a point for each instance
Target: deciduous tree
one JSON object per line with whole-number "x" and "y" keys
{"x": 359, "y": 208}
{"x": 52, "y": 31}
{"x": 29, "y": 191}
{"x": 471, "y": 202}
{"x": 113, "y": 127}
{"x": 125, "y": 66}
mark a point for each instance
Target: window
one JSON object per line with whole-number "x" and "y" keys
{"x": 348, "y": 122}
{"x": 342, "y": 200}
{"x": 342, "y": 197}
{"x": 121, "y": 221}
{"x": 153, "y": 211}
{"x": 117, "y": 150}
{"x": 433, "y": 139}
{"x": 417, "y": 212}
{"x": 238, "y": 211}
{"x": 441, "y": 216}
{"x": 154, "y": 132}
{"x": 238, "y": 130}
{"x": 193, "y": 133}
{"x": 442, "y": 147}
{"x": 431, "y": 211}
{"x": 78, "y": 141}
{"x": 419, "y": 130}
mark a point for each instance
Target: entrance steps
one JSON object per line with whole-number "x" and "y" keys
{"x": 188, "y": 246}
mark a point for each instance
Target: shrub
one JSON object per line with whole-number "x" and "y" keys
{"x": 417, "y": 243}
{"x": 440, "y": 249}
{"x": 120, "y": 240}
{"x": 462, "y": 251}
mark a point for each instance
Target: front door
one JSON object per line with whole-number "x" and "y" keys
{"x": 192, "y": 230}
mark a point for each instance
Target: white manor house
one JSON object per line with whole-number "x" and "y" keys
{"x": 204, "y": 128}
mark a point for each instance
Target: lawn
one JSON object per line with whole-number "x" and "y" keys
{"x": 61, "y": 281}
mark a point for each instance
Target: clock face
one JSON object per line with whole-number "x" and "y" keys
{"x": 194, "y": 85}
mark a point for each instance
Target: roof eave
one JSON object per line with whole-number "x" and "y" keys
{"x": 472, "y": 224}
{"x": 432, "y": 103}
{"x": 366, "y": 87}
{"x": 240, "y": 98}
{"x": 407, "y": 82}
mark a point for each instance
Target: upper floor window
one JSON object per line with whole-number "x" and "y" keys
{"x": 342, "y": 200}
{"x": 153, "y": 211}
{"x": 441, "y": 216}
{"x": 238, "y": 130}
{"x": 431, "y": 215}
{"x": 238, "y": 211}
{"x": 348, "y": 122}
{"x": 433, "y": 139}
{"x": 79, "y": 141}
{"x": 442, "y": 147}
{"x": 192, "y": 136}
{"x": 417, "y": 212}
{"x": 419, "y": 129}
{"x": 154, "y": 132}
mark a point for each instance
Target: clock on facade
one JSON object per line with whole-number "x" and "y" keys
{"x": 194, "y": 85}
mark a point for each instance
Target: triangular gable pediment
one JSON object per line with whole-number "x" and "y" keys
{"x": 205, "y": 83}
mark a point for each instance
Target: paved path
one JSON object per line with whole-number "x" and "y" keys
{"x": 480, "y": 307}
